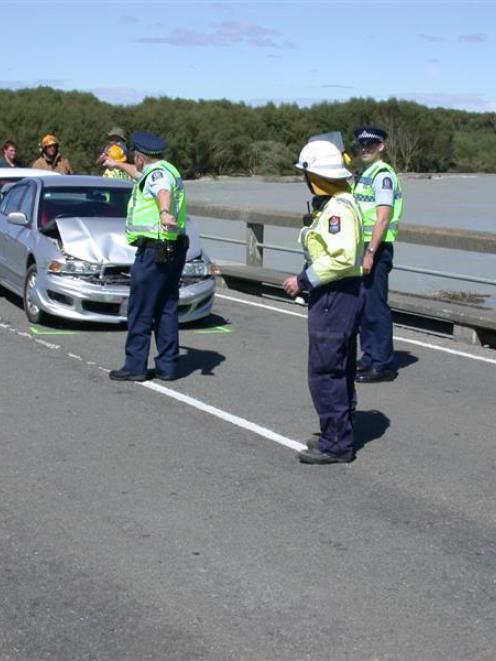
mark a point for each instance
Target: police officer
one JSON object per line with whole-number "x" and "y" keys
{"x": 156, "y": 224}
{"x": 333, "y": 249}
{"x": 378, "y": 192}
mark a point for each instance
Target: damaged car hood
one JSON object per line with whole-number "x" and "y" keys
{"x": 103, "y": 240}
{"x": 97, "y": 240}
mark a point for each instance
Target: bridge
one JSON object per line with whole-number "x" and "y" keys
{"x": 174, "y": 522}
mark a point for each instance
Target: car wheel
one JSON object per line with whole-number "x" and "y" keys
{"x": 33, "y": 312}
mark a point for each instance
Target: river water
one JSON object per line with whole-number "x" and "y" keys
{"x": 455, "y": 201}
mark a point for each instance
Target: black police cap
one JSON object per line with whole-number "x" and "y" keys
{"x": 368, "y": 134}
{"x": 147, "y": 143}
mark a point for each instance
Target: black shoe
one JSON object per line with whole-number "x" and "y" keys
{"x": 124, "y": 375}
{"x": 362, "y": 367}
{"x": 314, "y": 456}
{"x": 374, "y": 375}
{"x": 162, "y": 376}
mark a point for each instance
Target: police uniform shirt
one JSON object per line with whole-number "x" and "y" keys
{"x": 156, "y": 181}
{"x": 383, "y": 189}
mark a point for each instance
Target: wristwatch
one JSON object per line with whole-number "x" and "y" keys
{"x": 370, "y": 250}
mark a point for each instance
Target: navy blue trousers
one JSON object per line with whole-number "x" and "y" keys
{"x": 153, "y": 306}
{"x": 332, "y": 328}
{"x": 376, "y": 320}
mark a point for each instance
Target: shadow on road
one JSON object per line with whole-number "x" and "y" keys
{"x": 404, "y": 359}
{"x": 212, "y": 321}
{"x": 369, "y": 426}
{"x": 202, "y": 360}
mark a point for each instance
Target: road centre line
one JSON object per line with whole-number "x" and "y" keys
{"x": 426, "y": 345}
{"x": 224, "y": 415}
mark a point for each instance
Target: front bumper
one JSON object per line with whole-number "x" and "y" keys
{"x": 74, "y": 298}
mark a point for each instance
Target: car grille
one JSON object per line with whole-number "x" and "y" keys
{"x": 101, "y": 308}
{"x": 111, "y": 275}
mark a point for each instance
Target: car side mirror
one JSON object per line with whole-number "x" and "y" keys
{"x": 17, "y": 218}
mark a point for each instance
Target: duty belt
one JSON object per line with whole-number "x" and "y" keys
{"x": 147, "y": 242}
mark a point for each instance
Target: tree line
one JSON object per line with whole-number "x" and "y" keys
{"x": 222, "y": 137}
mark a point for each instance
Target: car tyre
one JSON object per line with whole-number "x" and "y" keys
{"x": 33, "y": 312}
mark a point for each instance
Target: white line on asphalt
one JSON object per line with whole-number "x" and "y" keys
{"x": 261, "y": 305}
{"x": 185, "y": 399}
{"x": 224, "y": 415}
{"x": 445, "y": 349}
{"x": 426, "y": 345}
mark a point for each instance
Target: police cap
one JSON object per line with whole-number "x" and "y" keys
{"x": 147, "y": 143}
{"x": 367, "y": 135}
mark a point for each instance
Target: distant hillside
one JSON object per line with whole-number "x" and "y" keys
{"x": 221, "y": 137}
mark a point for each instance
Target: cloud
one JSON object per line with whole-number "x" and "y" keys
{"x": 341, "y": 87}
{"x": 128, "y": 20}
{"x": 471, "y": 101}
{"x": 430, "y": 37}
{"x": 120, "y": 95}
{"x": 224, "y": 34}
{"x": 14, "y": 84}
{"x": 433, "y": 60}
{"x": 40, "y": 82}
{"x": 49, "y": 82}
{"x": 473, "y": 37}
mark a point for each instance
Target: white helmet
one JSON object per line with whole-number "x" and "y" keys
{"x": 324, "y": 159}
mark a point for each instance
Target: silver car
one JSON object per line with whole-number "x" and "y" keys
{"x": 63, "y": 249}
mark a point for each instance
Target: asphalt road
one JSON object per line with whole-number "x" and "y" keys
{"x": 135, "y": 526}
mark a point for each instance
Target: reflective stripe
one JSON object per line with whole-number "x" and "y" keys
{"x": 313, "y": 277}
{"x": 151, "y": 228}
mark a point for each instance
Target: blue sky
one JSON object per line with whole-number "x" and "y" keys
{"x": 437, "y": 53}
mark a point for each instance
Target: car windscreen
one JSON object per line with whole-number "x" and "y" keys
{"x": 83, "y": 202}
{"x": 8, "y": 180}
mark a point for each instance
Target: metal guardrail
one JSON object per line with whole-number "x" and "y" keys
{"x": 398, "y": 267}
{"x": 439, "y": 237}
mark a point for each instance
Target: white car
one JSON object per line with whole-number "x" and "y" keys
{"x": 63, "y": 249}
{"x": 11, "y": 175}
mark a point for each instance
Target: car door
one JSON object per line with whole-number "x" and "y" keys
{"x": 17, "y": 238}
{"x": 3, "y": 231}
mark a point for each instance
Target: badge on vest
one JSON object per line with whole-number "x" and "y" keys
{"x": 158, "y": 174}
{"x": 387, "y": 183}
{"x": 334, "y": 224}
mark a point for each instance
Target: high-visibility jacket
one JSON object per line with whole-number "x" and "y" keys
{"x": 333, "y": 243}
{"x": 364, "y": 194}
{"x": 143, "y": 216}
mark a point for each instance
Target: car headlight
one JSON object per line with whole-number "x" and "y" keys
{"x": 74, "y": 266}
{"x": 196, "y": 270}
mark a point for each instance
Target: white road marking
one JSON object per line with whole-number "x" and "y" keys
{"x": 185, "y": 399}
{"x": 224, "y": 415}
{"x": 426, "y": 345}
{"x": 464, "y": 354}
{"x": 261, "y": 305}
{"x": 50, "y": 345}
